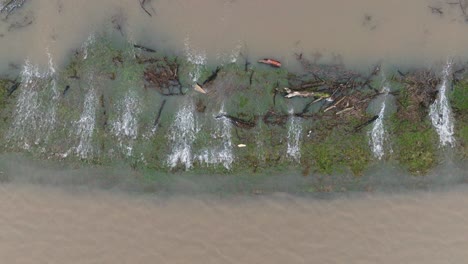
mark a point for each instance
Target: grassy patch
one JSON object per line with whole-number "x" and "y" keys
{"x": 415, "y": 145}
{"x": 337, "y": 151}
{"x": 459, "y": 101}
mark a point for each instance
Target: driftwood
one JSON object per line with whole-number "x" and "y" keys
{"x": 197, "y": 87}
{"x": 345, "y": 110}
{"x": 290, "y": 94}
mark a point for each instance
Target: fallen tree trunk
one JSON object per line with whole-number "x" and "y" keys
{"x": 290, "y": 94}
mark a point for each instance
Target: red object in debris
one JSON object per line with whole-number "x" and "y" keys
{"x": 271, "y": 62}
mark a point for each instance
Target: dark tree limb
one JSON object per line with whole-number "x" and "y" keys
{"x": 368, "y": 122}
{"x": 13, "y": 88}
{"x": 213, "y": 76}
{"x": 65, "y": 91}
{"x": 156, "y": 121}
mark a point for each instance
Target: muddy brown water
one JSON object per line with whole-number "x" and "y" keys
{"x": 42, "y": 224}
{"x": 355, "y": 32}
{"x": 50, "y": 225}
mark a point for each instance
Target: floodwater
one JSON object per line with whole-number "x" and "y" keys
{"x": 50, "y": 225}
{"x": 44, "y": 224}
{"x": 354, "y": 32}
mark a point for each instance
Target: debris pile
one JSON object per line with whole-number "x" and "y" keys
{"x": 162, "y": 76}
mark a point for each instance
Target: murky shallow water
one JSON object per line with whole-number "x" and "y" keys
{"x": 45, "y": 225}
{"x": 55, "y": 214}
{"x": 361, "y": 31}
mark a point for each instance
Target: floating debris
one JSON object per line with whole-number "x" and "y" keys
{"x": 290, "y": 94}
{"x": 197, "y": 87}
{"x": 270, "y": 62}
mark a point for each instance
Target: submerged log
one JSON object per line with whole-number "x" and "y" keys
{"x": 156, "y": 121}
{"x": 144, "y": 48}
{"x": 142, "y": 5}
{"x": 368, "y": 122}
{"x": 65, "y": 91}
{"x": 213, "y": 76}
{"x": 238, "y": 122}
{"x": 13, "y": 88}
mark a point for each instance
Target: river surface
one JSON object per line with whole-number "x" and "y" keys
{"x": 75, "y": 224}
{"x": 353, "y": 32}
{"x": 51, "y": 225}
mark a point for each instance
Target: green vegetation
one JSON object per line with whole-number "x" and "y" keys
{"x": 337, "y": 150}
{"x": 329, "y": 144}
{"x": 459, "y": 100}
{"x": 415, "y": 145}
{"x": 3, "y": 92}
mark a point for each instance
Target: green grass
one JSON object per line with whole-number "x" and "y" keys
{"x": 459, "y": 97}
{"x": 459, "y": 101}
{"x": 338, "y": 151}
{"x": 415, "y": 145}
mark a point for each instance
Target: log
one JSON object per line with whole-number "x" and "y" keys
{"x": 304, "y": 94}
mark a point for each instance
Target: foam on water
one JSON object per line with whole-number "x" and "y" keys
{"x": 183, "y": 133}
{"x": 89, "y": 41}
{"x": 125, "y": 127}
{"x": 232, "y": 56}
{"x": 441, "y": 113}
{"x": 294, "y": 137}
{"x": 222, "y": 153}
{"x": 198, "y": 58}
{"x": 86, "y": 124}
{"x": 35, "y": 114}
{"x": 378, "y": 135}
